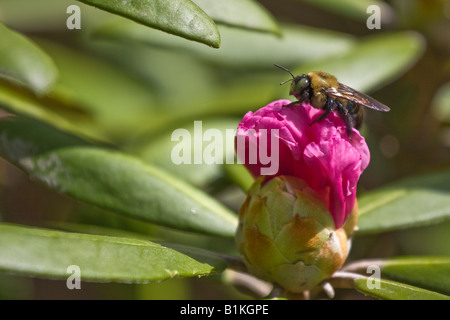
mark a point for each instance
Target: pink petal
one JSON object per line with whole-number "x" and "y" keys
{"x": 321, "y": 154}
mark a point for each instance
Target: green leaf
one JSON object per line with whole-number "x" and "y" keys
{"x": 210, "y": 143}
{"x": 23, "y": 61}
{"x": 103, "y": 93}
{"x": 48, "y": 253}
{"x": 240, "y": 175}
{"x": 441, "y": 103}
{"x": 110, "y": 179}
{"x": 432, "y": 273}
{"x": 374, "y": 61}
{"x": 48, "y": 15}
{"x": 246, "y": 14}
{"x": 356, "y": 9}
{"x": 179, "y": 17}
{"x": 244, "y": 48}
{"x": 45, "y": 108}
{"x": 426, "y": 240}
{"x": 391, "y": 290}
{"x": 412, "y": 202}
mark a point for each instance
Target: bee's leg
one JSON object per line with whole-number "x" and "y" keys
{"x": 303, "y": 97}
{"x": 347, "y": 117}
{"x": 293, "y": 103}
{"x": 328, "y": 109}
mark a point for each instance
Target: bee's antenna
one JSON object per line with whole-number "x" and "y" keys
{"x": 287, "y": 70}
{"x": 285, "y": 81}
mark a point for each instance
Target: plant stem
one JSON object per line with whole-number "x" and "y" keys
{"x": 247, "y": 284}
{"x": 233, "y": 262}
{"x": 344, "y": 279}
{"x": 361, "y": 266}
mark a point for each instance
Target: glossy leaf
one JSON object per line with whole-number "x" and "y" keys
{"x": 391, "y": 290}
{"x": 40, "y": 17}
{"x": 201, "y": 148}
{"x": 243, "y": 48}
{"x": 49, "y": 253}
{"x": 246, "y": 14}
{"x": 116, "y": 98}
{"x": 231, "y": 99}
{"x": 374, "y": 61}
{"x": 441, "y": 103}
{"x": 240, "y": 175}
{"x": 356, "y": 9}
{"x": 173, "y": 90}
{"x": 23, "y": 61}
{"x": 432, "y": 240}
{"x": 432, "y": 273}
{"x": 110, "y": 179}
{"x": 179, "y": 17}
{"x": 411, "y": 202}
{"x": 18, "y": 100}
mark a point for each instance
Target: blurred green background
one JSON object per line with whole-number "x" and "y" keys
{"x": 127, "y": 87}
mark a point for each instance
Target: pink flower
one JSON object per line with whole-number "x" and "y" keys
{"x": 321, "y": 154}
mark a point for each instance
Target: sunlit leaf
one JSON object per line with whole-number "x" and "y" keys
{"x": 232, "y": 99}
{"x": 116, "y": 99}
{"x": 46, "y": 109}
{"x": 200, "y": 149}
{"x": 23, "y": 61}
{"x": 49, "y": 253}
{"x": 391, "y": 290}
{"x": 427, "y": 240}
{"x": 244, "y": 48}
{"x": 356, "y": 9}
{"x": 159, "y": 73}
{"x": 411, "y": 202}
{"x": 374, "y": 61}
{"x": 441, "y": 103}
{"x": 247, "y": 14}
{"x": 240, "y": 175}
{"x": 110, "y": 179}
{"x": 39, "y": 17}
{"x": 432, "y": 273}
{"x": 179, "y": 17}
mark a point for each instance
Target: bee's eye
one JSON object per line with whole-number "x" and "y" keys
{"x": 301, "y": 84}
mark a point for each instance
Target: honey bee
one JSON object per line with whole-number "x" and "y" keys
{"x": 323, "y": 91}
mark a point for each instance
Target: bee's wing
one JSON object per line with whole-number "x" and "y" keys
{"x": 347, "y": 93}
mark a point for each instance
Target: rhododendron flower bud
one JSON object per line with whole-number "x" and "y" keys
{"x": 295, "y": 223}
{"x": 321, "y": 154}
{"x": 286, "y": 235}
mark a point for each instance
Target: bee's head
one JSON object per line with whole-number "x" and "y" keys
{"x": 300, "y": 85}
